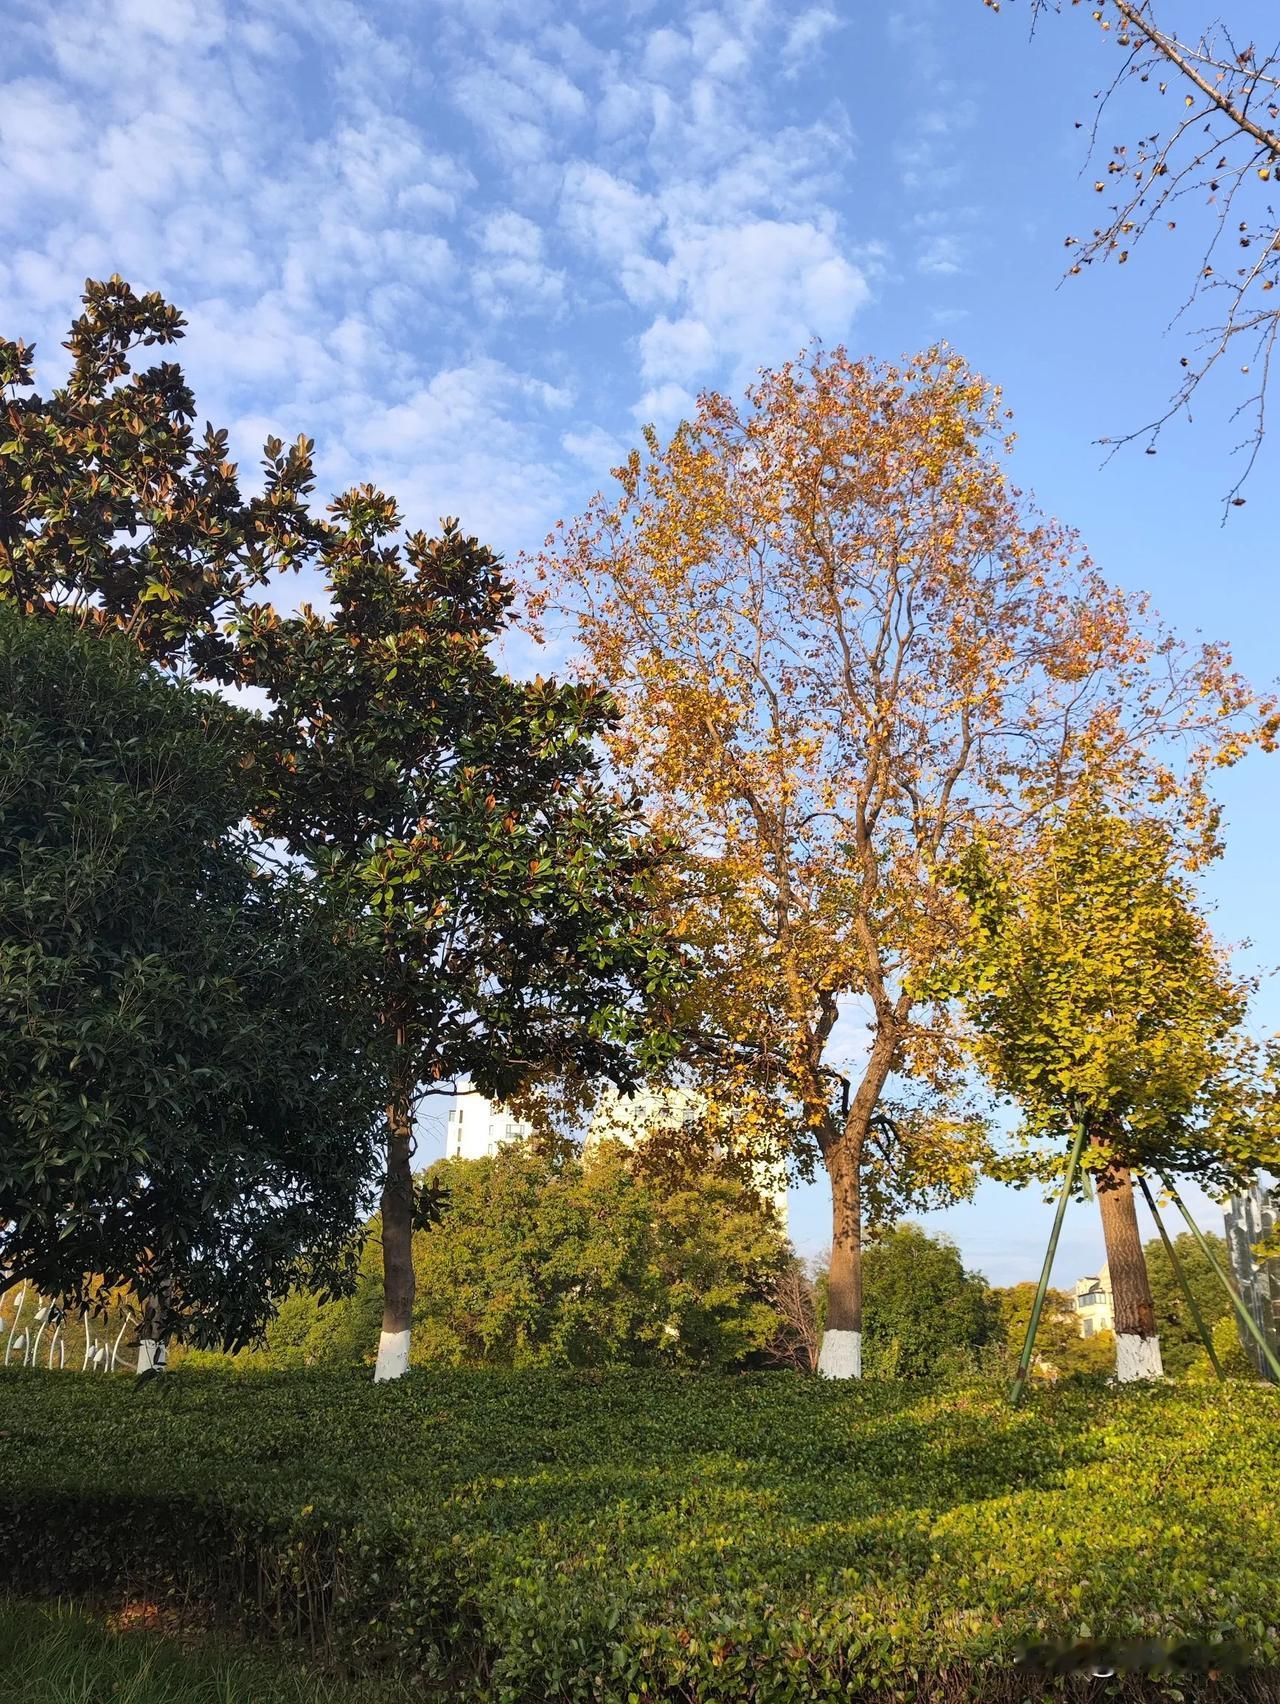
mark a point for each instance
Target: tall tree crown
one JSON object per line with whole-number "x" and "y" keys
{"x": 110, "y": 506}
{"x": 844, "y": 644}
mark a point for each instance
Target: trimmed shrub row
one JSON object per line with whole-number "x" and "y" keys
{"x": 636, "y": 1537}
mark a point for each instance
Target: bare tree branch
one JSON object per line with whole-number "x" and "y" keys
{"x": 1224, "y": 148}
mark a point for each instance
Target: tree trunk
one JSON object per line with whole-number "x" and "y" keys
{"x": 397, "y": 1248}
{"x": 153, "y": 1350}
{"x": 1137, "y": 1344}
{"x": 841, "y": 1353}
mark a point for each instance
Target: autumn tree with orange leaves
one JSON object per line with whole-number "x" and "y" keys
{"x": 842, "y": 643}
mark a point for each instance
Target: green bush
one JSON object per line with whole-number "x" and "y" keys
{"x": 635, "y": 1536}
{"x": 1181, "y": 1347}
{"x": 563, "y": 1260}
{"x": 922, "y": 1312}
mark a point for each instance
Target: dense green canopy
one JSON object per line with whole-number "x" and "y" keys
{"x": 924, "y": 1312}
{"x": 556, "y": 1259}
{"x": 189, "y": 1068}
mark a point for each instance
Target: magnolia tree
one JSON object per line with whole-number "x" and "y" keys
{"x": 190, "y": 1075}
{"x": 1103, "y": 1007}
{"x": 455, "y": 818}
{"x": 842, "y": 644}
{"x": 112, "y": 512}
{"x": 509, "y": 895}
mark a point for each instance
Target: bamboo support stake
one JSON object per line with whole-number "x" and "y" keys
{"x": 1206, "y": 1337}
{"x": 1033, "y": 1324}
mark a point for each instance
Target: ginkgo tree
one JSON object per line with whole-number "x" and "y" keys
{"x": 843, "y": 644}
{"x": 1104, "y": 1009}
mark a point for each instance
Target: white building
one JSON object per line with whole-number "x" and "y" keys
{"x": 477, "y": 1126}
{"x": 1091, "y": 1300}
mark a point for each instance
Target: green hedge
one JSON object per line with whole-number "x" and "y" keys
{"x": 634, "y": 1537}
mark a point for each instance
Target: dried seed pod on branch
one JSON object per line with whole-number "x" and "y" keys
{"x": 1216, "y": 146}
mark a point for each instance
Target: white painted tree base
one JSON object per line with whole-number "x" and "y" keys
{"x": 153, "y": 1356}
{"x": 1137, "y": 1358}
{"x": 393, "y": 1356}
{"x": 841, "y": 1355}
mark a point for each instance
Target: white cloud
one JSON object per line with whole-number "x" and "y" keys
{"x": 464, "y": 443}
{"x": 718, "y": 226}
{"x": 175, "y": 21}
{"x": 719, "y": 50}
{"x": 456, "y": 403}
{"x": 806, "y": 35}
{"x": 42, "y": 139}
{"x": 605, "y": 213}
{"x": 664, "y": 406}
{"x": 511, "y": 233}
{"x": 737, "y": 291}
{"x": 665, "y": 52}
{"x": 767, "y": 286}
{"x": 676, "y": 349}
{"x": 515, "y": 279}
{"x": 941, "y": 241}
{"x": 941, "y": 255}
{"x": 622, "y": 108}
{"x": 596, "y": 449}
{"x": 418, "y": 241}
{"x": 520, "y": 104}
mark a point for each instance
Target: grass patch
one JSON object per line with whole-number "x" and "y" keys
{"x": 62, "y": 1654}
{"x": 634, "y": 1537}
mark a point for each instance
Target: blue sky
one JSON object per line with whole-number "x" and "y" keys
{"x": 471, "y": 246}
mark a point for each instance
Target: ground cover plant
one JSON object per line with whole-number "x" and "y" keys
{"x": 633, "y": 1536}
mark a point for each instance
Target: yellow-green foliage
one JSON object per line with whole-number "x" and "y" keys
{"x": 1227, "y": 1346}
{"x": 1061, "y": 1347}
{"x": 622, "y": 1537}
{"x": 1096, "y": 990}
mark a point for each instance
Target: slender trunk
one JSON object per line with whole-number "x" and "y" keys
{"x": 1137, "y": 1344}
{"x": 397, "y": 1247}
{"x": 841, "y": 1353}
{"x": 153, "y": 1350}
